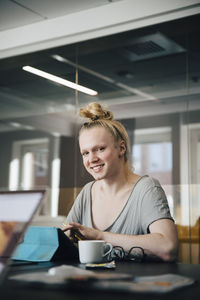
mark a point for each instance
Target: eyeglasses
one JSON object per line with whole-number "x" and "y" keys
{"x": 134, "y": 254}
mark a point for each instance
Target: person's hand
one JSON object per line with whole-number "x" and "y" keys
{"x": 87, "y": 232}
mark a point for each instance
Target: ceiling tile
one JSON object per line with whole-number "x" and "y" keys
{"x": 13, "y": 15}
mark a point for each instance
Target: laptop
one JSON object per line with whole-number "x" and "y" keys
{"x": 17, "y": 209}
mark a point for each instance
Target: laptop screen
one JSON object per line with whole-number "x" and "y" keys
{"x": 16, "y": 211}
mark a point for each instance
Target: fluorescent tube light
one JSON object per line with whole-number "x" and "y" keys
{"x": 60, "y": 80}
{"x": 15, "y": 124}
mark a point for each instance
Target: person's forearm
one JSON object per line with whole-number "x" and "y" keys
{"x": 155, "y": 245}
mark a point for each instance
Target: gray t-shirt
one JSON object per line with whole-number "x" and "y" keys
{"x": 146, "y": 204}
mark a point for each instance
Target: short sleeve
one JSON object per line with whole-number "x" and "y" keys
{"x": 80, "y": 211}
{"x": 154, "y": 207}
{"x": 74, "y": 214}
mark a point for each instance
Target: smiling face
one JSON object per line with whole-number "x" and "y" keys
{"x": 101, "y": 154}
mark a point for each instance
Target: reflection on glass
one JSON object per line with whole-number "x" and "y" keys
{"x": 154, "y": 159}
{"x": 152, "y": 153}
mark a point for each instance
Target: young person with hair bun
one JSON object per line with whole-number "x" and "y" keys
{"x": 119, "y": 206}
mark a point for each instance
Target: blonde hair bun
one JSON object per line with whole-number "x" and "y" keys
{"x": 95, "y": 111}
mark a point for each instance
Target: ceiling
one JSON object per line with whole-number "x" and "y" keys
{"x": 149, "y": 71}
{"x": 17, "y": 13}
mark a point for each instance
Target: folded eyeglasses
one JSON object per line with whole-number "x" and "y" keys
{"x": 134, "y": 254}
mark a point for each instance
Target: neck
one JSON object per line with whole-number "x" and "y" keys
{"x": 117, "y": 182}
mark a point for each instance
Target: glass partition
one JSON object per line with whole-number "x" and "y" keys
{"x": 148, "y": 77}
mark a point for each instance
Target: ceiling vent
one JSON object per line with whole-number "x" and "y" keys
{"x": 150, "y": 46}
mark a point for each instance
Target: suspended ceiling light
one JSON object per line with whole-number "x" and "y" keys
{"x": 60, "y": 80}
{"x": 21, "y": 126}
{"x": 15, "y": 124}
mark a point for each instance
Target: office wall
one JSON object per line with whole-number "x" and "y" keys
{"x": 72, "y": 173}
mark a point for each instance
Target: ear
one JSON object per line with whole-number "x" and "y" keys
{"x": 122, "y": 148}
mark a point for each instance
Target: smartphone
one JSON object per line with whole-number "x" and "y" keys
{"x": 77, "y": 235}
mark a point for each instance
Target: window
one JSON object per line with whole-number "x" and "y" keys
{"x": 29, "y": 166}
{"x": 152, "y": 153}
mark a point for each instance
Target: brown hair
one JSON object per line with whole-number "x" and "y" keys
{"x": 100, "y": 117}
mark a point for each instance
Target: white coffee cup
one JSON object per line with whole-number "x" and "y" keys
{"x": 93, "y": 251}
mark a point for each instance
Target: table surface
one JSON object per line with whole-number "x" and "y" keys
{"x": 17, "y": 291}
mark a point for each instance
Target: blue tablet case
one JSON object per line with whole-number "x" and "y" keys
{"x": 42, "y": 244}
